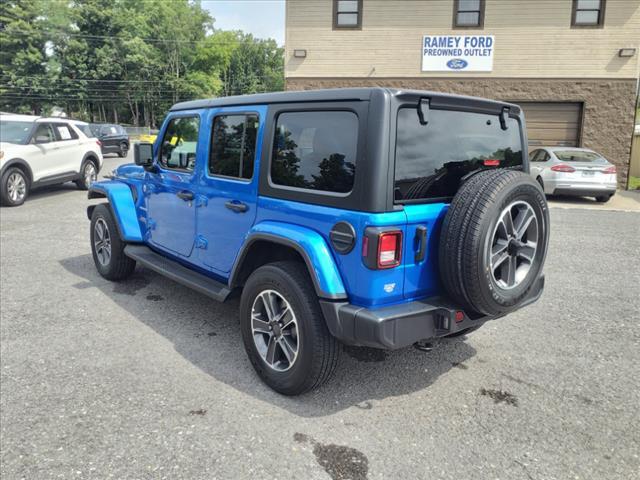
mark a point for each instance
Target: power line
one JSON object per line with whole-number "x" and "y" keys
{"x": 146, "y": 39}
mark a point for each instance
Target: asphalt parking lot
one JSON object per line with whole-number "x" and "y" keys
{"x": 147, "y": 379}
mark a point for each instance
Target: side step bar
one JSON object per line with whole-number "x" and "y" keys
{"x": 177, "y": 272}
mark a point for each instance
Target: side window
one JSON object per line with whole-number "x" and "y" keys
{"x": 44, "y": 134}
{"x": 180, "y": 143}
{"x": 535, "y": 156}
{"x": 544, "y": 157}
{"x": 64, "y": 132}
{"x": 233, "y": 145}
{"x": 315, "y": 150}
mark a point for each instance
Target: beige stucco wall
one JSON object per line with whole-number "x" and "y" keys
{"x": 532, "y": 39}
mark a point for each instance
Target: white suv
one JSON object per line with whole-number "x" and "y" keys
{"x": 36, "y": 151}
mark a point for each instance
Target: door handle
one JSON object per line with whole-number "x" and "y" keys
{"x": 236, "y": 206}
{"x": 421, "y": 238}
{"x": 185, "y": 195}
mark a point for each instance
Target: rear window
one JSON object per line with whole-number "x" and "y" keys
{"x": 315, "y": 150}
{"x": 577, "y": 156}
{"x": 432, "y": 159}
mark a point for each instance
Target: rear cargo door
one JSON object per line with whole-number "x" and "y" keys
{"x": 431, "y": 161}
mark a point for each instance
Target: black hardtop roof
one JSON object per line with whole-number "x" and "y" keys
{"x": 325, "y": 95}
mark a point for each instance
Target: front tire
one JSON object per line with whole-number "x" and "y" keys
{"x": 284, "y": 331}
{"x": 107, "y": 247}
{"x": 603, "y": 198}
{"x": 15, "y": 187}
{"x": 124, "y": 148}
{"x": 88, "y": 175}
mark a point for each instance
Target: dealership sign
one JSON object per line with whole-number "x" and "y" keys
{"x": 457, "y": 53}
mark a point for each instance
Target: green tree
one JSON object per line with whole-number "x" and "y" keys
{"x": 24, "y": 78}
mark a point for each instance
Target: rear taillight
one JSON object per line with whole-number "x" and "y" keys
{"x": 492, "y": 162}
{"x": 611, "y": 169}
{"x": 563, "y": 168}
{"x": 389, "y": 249}
{"x": 382, "y": 247}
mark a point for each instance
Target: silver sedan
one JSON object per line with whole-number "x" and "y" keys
{"x": 573, "y": 171}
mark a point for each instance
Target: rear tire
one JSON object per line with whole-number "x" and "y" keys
{"x": 302, "y": 354}
{"x": 603, "y": 198}
{"x": 494, "y": 241}
{"x": 14, "y": 187}
{"x": 106, "y": 246}
{"x": 124, "y": 148}
{"x": 88, "y": 175}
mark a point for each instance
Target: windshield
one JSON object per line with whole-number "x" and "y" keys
{"x": 12, "y": 131}
{"x": 578, "y": 156}
{"x": 432, "y": 159}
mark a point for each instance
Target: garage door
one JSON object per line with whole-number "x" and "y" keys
{"x": 553, "y": 123}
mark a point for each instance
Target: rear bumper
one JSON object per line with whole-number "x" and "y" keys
{"x": 585, "y": 191}
{"x": 398, "y": 326}
{"x": 579, "y": 187}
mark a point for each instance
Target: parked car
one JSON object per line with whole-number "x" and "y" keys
{"x": 114, "y": 138}
{"x": 574, "y": 171}
{"x": 373, "y": 217}
{"x": 36, "y": 152}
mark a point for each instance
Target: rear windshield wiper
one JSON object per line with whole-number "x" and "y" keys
{"x": 503, "y": 118}
{"x": 423, "y": 111}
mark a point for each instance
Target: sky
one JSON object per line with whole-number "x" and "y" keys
{"x": 262, "y": 18}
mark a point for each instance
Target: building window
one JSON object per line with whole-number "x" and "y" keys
{"x": 468, "y": 13}
{"x": 347, "y": 14}
{"x": 588, "y": 13}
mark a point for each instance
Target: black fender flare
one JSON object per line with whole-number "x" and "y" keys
{"x": 93, "y": 157}
{"x": 23, "y": 164}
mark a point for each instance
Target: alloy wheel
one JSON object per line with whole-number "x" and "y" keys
{"x": 102, "y": 242}
{"x": 514, "y": 245}
{"x": 90, "y": 174}
{"x": 275, "y": 331}
{"x": 16, "y": 187}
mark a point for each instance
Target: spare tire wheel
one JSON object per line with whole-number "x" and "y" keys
{"x": 494, "y": 241}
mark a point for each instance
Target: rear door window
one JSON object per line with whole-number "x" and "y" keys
{"x": 432, "y": 159}
{"x": 315, "y": 150}
{"x": 233, "y": 146}
{"x": 64, "y": 132}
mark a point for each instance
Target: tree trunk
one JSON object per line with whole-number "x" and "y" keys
{"x": 115, "y": 114}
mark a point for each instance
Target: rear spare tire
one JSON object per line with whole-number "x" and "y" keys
{"x": 494, "y": 241}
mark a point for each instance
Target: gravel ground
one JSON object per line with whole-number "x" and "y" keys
{"x": 147, "y": 379}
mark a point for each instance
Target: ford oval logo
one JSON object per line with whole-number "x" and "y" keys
{"x": 457, "y": 64}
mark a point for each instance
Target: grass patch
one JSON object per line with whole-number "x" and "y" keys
{"x": 634, "y": 183}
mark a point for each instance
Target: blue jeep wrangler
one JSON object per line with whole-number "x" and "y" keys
{"x": 373, "y": 217}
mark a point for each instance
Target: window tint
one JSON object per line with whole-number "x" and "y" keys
{"x": 44, "y": 134}
{"x": 64, "y": 132}
{"x": 315, "y": 150}
{"x": 578, "y": 156}
{"x": 431, "y": 159}
{"x": 179, "y": 144}
{"x": 233, "y": 145}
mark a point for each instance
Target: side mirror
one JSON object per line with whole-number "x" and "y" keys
{"x": 42, "y": 139}
{"x": 143, "y": 154}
